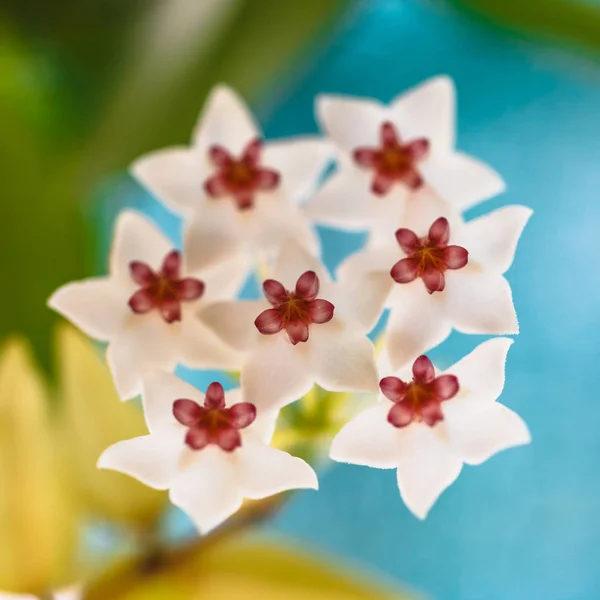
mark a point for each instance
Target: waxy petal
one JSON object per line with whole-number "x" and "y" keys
{"x": 297, "y": 331}
{"x": 275, "y": 374}
{"x": 439, "y": 232}
{"x": 274, "y": 291}
{"x": 170, "y": 309}
{"x": 190, "y": 288}
{"x": 142, "y": 302}
{"x": 269, "y": 322}
{"x": 242, "y": 414}
{"x": 428, "y": 111}
{"x": 152, "y": 461}
{"x": 419, "y": 149}
{"x": 462, "y": 180}
{"x": 446, "y": 386}
{"x": 480, "y": 303}
{"x": 187, "y": 412}
{"x": 216, "y": 186}
{"x": 434, "y": 280}
{"x": 208, "y": 490}
{"x": 369, "y": 440}
{"x": 175, "y": 176}
{"x": 229, "y": 439}
{"x": 408, "y": 240}
{"x": 197, "y": 438}
{"x": 136, "y": 239}
{"x": 456, "y": 257}
{"x": 171, "y": 265}
{"x": 405, "y": 270}
{"x": 481, "y": 434}
{"x": 492, "y": 239}
{"x": 425, "y": 470}
{"x": 215, "y": 396}
{"x": 307, "y": 286}
{"x": 401, "y": 414}
{"x": 98, "y": 306}
{"x": 265, "y": 471}
{"x": 417, "y": 323}
{"x": 423, "y": 370}
{"x": 393, "y": 388}
{"x": 225, "y": 121}
{"x": 382, "y": 184}
{"x": 300, "y": 161}
{"x": 293, "y": 261}
{"x": 141, "y": 273}
{"x": 342, "y": 360}
{"x": 321, "y": 311}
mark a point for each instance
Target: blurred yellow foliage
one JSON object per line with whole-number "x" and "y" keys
{"x": 91, "y": 419}
{"x": 37, "y": 522}
{"x": 237, "y": 570}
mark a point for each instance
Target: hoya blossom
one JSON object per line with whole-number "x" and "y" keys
{"x": 146, "y": 309}
{"x": 308, "y": 330}
{"x": 240, "y": 193}
{"x": 427, "y": 425}
{"x": 209, "y": 451}
{"x": 444, "y": 275}
{"x": 390, "y": 156}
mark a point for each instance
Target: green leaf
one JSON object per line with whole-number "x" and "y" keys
{"x": 241, "y": 570}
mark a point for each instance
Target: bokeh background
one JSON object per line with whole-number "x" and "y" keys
{"x": 86, "y": 86}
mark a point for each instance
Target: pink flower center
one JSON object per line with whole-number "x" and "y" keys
{"x": 393, "y": 162}
{"x": 428, "y": 257}
{"x": 420, "y": 399}
{"x": 214, "y": 423}
{"x": 294, "y": 311}
{"x": 240, "y": 178}
{"x": 163, "y": 290}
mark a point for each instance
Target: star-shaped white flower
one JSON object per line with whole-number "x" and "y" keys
{"x": 240, "y": 193}
{"x": 390, "y": 156}
{"x": 210, "y": 451}
{"x": 309, "y": 330}
{"x": 443, "y": 274}
{"x": 428, "y": 426}
{"x": 146, "y": 309}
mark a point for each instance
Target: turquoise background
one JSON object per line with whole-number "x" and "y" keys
{"x": 526, "y": 524}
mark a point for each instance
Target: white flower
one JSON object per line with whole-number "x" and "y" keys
{"x": 209, "y": 451}
{"x": 309, "y": 331}
{"x": 241, "y": 194}
{"x": 428, "y": 427}
{"x": 146, "y": 308}
{"x": 444, "y": 275}
{"x": 390, "y": 156}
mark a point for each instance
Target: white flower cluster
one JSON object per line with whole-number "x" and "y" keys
{"x": 250, "y": 205}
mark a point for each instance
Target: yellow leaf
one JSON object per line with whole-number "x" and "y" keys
{"x": 37, "y": 528}
{"x": 93, "y": 418}
{"x": 238, "y": 570}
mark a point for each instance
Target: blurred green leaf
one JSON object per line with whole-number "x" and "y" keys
{"x": 577, "y": 21}
{"x": 238, "y": 570}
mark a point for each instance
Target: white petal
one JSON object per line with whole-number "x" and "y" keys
{"x": 213, "y": 236}
{"x": 479, "y": 435}
{"x": 273, "y": 221}
{"x": 492, "y": 239}
{"x": 341, "y": 359}
{"x": 344, "y": 200}
{"x": 146, "y": 343}
{"x": 233, "y": 322}
{"x": 428, "y": 111}
{"x": 360, "y": 300}
{"x": 417, "y": 323}
{"x": 464, "y": 181}
{"x": 426, "y": 470}
{"x": 265, "y": 471}
{"x": 294, "y": 260}
{"x": 276, "y": 373}
{"x": 263, "y": 427}
{"x": 224, "y": 281}
{"x": 480, "y": 376}
{"x": 160, "y": 390}
{"x": 98, "y": 306}
{"x": 136, "y": 238}
{"x": 201, "y": 348}
{"x": 300, "y": 162}
{"x": 225, "y": 121}
{"x": 370, "y": 440}
{"x": 175, "y": 176}
{"x": 380, "y": 258}
{"x": 480, "y": 303}
{"x": 151, "y": 459}
{"x": 351, "y": 122}
{"x": 208, "y": 491}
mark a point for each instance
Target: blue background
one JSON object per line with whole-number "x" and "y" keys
{"x": 525, "y": 525}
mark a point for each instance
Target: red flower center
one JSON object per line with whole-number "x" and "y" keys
{"x": 393, "y": 162}
{"x": 214, "y": 423}
{"x": 419, "y": 400}
{"x": 428, "y": 257}
{"x": 240, "y": 177}
{"x": 163, "y": 290}
{"x": 294, "y": 311}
